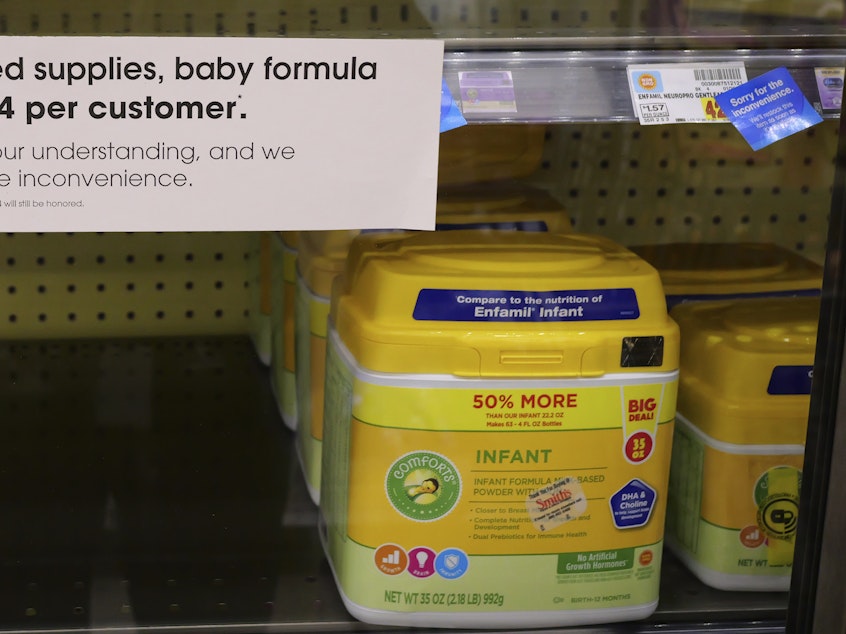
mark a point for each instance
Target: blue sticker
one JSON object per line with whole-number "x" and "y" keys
{"x": 435, "y": 304}
{"x": 791, "y": 379}
{"x": 452, "y": 563}
{"x": 451, "y": 116}
{"x": 631, "y": 506}
{"x": 768, "y": 108}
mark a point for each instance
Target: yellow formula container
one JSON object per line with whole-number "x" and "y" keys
{"x": 707, "y": 271}
{"x": 746, "y": 369}
{"x": 498, "y": 421}
{"x": 259, "y": 273}
{"x": 283, "y": 301}
{"x": 502, "y": 207}
{"x": 321, "y": 256}
{"x": 484, "y": 153}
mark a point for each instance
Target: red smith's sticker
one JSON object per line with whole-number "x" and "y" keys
{"x": 556, "y": 504}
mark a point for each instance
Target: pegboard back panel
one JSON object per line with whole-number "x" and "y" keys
{"x": 656, "y": 184}
{"x": 424, "y": 18}
{"x": 110, "y": 284}
{"x": 634, "y": 184}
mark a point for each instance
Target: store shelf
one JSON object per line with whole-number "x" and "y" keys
{"x": 149, "y": 485}
{"x": 571, "y": 84}
{"x": 568, "y": 59}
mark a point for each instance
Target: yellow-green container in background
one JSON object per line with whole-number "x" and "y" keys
{"x": 259, "y": 265}
{"x": 320, "y": 257}
{"x": 708, "y": 271}
{"x": 744, "y": 391}
{"x": 283, "y": 301}
{"x": 498, "y": 418}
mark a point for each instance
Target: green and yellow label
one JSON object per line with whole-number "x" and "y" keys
{"x": 734, "y": 513}
{"x": 423, "y": 486}
{"x": 436, "y": 496}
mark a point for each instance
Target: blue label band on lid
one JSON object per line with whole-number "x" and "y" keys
{"x": 791, "y": 379}
{"x": 434, "y": 304}
{"x": 536, "y": 226}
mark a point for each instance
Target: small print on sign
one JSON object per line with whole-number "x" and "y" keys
{"x": 218, "y": 134}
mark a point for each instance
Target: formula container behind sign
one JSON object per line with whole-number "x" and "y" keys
{"x": 745, "y": 369}
{"x": 498, "y": 418}
{"x": 320, "y": 258}
{"x": 485, "y": 153}
{"x": 258, "y": 275}
{"x": 503, "y": 207}
{"x": 693, "y": 272}
{"x": 282, "y": 304}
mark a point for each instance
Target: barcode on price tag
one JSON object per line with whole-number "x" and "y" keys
{"x": 718, "y": 74}
{"x": 681, "y": 93}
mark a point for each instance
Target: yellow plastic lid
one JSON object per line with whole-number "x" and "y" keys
{"x": 746, "y": 367}
{"x": 481, "y": 153}
{"x": 500, "y": 206}
{"x": 506, "y": 207}
{"x": 714, "y": 271}
{"x": 321, "y": 257}
{"x": 472, "y": 303}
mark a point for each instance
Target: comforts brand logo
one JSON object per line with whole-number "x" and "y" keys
{"x": 423, "y": 486}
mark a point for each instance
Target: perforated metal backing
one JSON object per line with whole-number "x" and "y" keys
{"x": 652, "y": 184}
{"x": 423, "y": 18}
{"x": 635, "y": 184}
{"x": 128, "y": 497}
{"x": 99, "y": 285}
{"x": 276, "y": 17}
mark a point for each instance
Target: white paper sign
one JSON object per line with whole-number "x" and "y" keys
{"x": 171, "y": 134}
{"x": 682, "y": 93}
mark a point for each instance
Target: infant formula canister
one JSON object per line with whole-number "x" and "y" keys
{"x": 744, "y": 393}
{"x": 320, "y": 258}
{"x": 258, "y": 274}
{"x": 283, "y": 301}
{"x": 484, "y": 153}
{"x": 498, "y": 419}
{"x": 707, "y": 271}
{"x": 502, "y": 207}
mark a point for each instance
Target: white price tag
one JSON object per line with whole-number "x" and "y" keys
{"x": 682, "y": 93}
